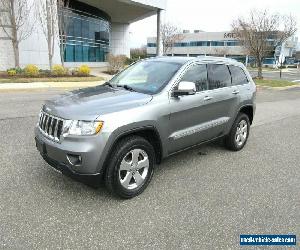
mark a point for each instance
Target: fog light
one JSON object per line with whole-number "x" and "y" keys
{"x": 75, "y": 160}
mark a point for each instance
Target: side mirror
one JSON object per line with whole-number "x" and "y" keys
{"x": 185, "y": 88}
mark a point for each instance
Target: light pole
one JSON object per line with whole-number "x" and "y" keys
{"x": 158, "y": 51}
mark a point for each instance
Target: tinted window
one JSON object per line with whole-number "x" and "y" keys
{"x": 198, "y": 75}
{"x": 147, "y": 76}
{"x": 218, "y": 76}
{"x": 238, "y": 75}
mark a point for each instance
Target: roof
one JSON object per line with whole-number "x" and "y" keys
{"x": 127, "y": 11}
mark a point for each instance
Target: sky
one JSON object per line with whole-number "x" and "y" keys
{"x": 209, "y": 15}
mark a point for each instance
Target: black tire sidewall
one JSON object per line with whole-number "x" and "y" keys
{"x": 231, "y": 142}
{"x": 112, "y": 173}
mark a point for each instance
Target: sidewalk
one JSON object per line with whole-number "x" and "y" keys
{"x": 48, "y": 85}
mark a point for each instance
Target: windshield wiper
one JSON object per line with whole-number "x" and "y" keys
{"x": 126, "y": 87}
{"x": 108, "y": 84}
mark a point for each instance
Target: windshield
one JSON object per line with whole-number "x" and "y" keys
{"x": 146, "y": 76}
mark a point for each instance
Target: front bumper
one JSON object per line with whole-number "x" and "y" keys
{"x": 90, "y": 149}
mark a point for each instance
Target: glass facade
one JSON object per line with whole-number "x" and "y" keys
{"x": 87, "y": 34}
{"x": 202, "y": 43}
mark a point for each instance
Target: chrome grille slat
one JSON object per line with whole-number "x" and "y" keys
{"x": 41, "y": 118}
{"x": 55, "y": 129}
{"x": 51, "y": 126}
{"x": 45, "y": 122}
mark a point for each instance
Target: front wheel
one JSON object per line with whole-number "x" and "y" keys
{"x": 131, "y": 167}
{"x": 238, "y": 135}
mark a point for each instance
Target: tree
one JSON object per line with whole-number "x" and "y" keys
{"x": 47, "y": 14}
{"x": 170, "y": 34}
{"x": 63, "y": 24}
{"x": 138, "y": 53}
{"x": 15, "y": 23}
{"x": 262, "y": 32}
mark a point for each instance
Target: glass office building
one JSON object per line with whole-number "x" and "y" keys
{"x": 86, "y": 35}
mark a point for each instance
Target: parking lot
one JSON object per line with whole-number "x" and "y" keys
{"x": 287, "y": 74}
{"x": 199, "y": 199}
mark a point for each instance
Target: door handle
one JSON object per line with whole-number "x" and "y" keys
{"x": 235, "y": 92}
{"x": 207, "y": 98}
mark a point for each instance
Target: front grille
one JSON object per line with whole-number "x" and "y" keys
{"x": 51, "y": 126}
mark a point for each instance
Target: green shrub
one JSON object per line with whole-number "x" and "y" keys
{"x": 84, "y": 70}
{"x": 58, "y": 70}
{"x": 45, "y": 72}
{"x": 11, "y": 72}
{"x": 31, "y": 70}
{"x": 19, "y": 70}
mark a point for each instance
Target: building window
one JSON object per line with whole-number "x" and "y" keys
{"x": 217, "y": 43}
{"x": 199, "y": 43}
{"x": 232, "y": 43}
{"x": 151, "y": 45}
{"x": 87, "y": 34}
{"x": 181, "y": 44}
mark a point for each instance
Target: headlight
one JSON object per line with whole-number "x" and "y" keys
{"x": 82, "y": 127}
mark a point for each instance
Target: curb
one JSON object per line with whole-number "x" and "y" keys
{"x": 277, "y": 88}
{"x": 47, "y": 85}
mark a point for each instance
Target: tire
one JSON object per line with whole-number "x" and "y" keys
{"x": 237, "y": 137}
{"x": 130, "y": 168}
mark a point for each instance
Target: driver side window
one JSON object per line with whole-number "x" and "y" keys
{"x": 198, "y": 75}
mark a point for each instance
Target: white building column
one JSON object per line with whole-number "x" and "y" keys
{"x": 119, "y": 42}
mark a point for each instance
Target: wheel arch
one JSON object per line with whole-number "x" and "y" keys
{"x": 249, "y": 111}
{"x": 150, "y": 133}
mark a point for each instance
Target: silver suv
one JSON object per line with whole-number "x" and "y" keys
{"x": 153, "y": 109}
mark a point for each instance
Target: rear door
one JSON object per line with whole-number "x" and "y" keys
{"x": 224, "y": 98}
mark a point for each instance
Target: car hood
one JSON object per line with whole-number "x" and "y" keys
{"x": 89, "y": 103}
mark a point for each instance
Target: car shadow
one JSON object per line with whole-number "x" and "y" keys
{"x": 82, "y": 187}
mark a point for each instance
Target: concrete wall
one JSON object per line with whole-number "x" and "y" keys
{"x": 34, "y": 50}
{"x": 6, "y": 54}
{"x": 6, "y": 49}
{"x": 120, "y": 39}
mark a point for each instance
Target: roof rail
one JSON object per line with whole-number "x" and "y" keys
{"x": 217, "y": 58}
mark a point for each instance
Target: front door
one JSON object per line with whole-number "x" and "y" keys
{"x": 188, "y": 114}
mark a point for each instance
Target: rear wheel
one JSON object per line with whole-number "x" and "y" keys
{"x": 131, "y": 167}
{"x": 239, "y": 133}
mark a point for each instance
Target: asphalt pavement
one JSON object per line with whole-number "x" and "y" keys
{"x": 199, "y": 199}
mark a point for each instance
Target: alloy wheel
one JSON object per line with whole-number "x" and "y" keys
{"x": 134, "y": 169}
{"x": 241, "y": 133}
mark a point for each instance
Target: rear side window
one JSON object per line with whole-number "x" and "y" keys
{"x": 218, "y": 76}
{"x": 238, "y": 75}
{"x": 198, "y": 75}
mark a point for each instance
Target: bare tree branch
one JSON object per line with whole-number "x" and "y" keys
{"x": 48, "y": 18}
{"x": 262, "y": 32}
{"x": 63, "y": 23}
{"x": 170, "y": 34}
{"x": 15, "y": 23}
